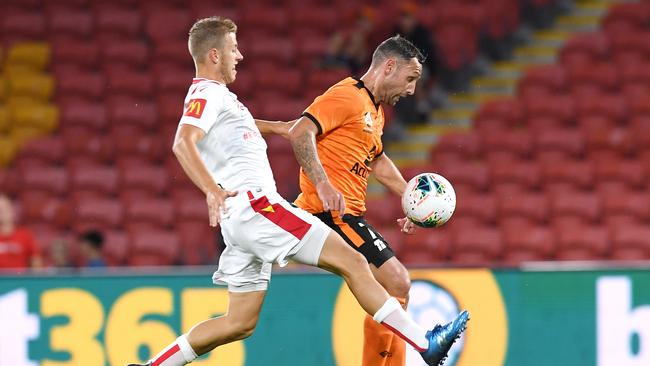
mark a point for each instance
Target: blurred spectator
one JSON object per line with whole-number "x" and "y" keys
{"x": 60, "y": 254}
{"x": 410, "y": 28}
{"x": 91, "y": 243}
{"x": 351, "y": 48}
{"x": 18, "y": 248}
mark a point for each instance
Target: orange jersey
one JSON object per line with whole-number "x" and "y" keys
{"x": 350, "y": 125}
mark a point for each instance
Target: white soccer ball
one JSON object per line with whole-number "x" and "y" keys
{"x": 429, "y": 200}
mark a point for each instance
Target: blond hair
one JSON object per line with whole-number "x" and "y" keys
{"x": 208, "y": 33}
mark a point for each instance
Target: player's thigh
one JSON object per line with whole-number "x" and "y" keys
{"x": 338, "y": 257}
{"x": 244, "y": 308}
{"x": 393, "y": 276}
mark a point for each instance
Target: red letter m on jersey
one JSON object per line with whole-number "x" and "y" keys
{"x": 195, "y": 108}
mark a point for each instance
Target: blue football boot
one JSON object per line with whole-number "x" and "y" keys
{"x": 441, "y": 338}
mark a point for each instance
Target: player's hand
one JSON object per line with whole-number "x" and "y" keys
{"x": 216, "y": 204}
{"x": 407, "y": 226}
{"x": 331, "y": 198}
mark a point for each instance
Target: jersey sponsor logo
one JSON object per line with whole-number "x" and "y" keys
{"x": 195, "y": 108}
{"x": 359, "y": 170}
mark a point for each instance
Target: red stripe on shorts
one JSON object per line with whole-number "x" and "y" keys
{"x": 281, "y": 217}
{"x": 170, "y": 352}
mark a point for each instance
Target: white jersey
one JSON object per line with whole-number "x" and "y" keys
{"x": 233, "y": 149}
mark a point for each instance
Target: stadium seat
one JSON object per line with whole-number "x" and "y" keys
{"x": 176, "y": 174}
{"x": 579, "y": 173}
{"x": 46, "y": 178}
{"x": 130, "y": 143}
{"x": 583, "y": 206}
{"x": 384, "y": 211}
{"x": 128, "y": 82}
{"x": 164, "y": 25}
{"x": 425, "y": 247}
{"x": 198, "y": 242}
{"x": 602, "y": 75}
{"x": 612, "y": 106}
{"x": 135, "y": 113}
{"x": 37, "y": 207}
{"x": 116, "y": 247}
{"x": 76, "y": 23}
{"x": 272, "y": 21}
{"x": 631, "y": 243}
{"x": 478, "y": 246}
{"x": 81, "y": 141}
{"x": 467, "y": 145}
{"x": 71, "y": 52}
{"x": 527, "y": 243}
{"x": 582, "y": 243}
{"x": 99, "y": 213}
{"x": 630, "y": 172}
{"x": 556, "y": 106}
{"x": 34, "y": 56}
{"x": 511, "y": 111}
{"x": 103, "y": 179}
{"x": 517, "y": 141}
{"x": 551, "y": 78}
{"x": 48, "y": 150}
{"x": 80, "y": 85}
{"x": 23, "y": 25}
{"x": 533, "y": 207}
{"x": 584, "y": 48}
{"x": 481, "y": 206}
{"x": 457, "y": 44}
{"x": 115, "y": 22}
{"x": 568, "y": 141}
{"x": 473, "y": 174}
{"x": 326, "y": 19}
{"x": 150, "y": 178}
{"x": 156, "y": 212}
{"x": 627, "y": 202}
{"x": 153, "y": 247}
{"x": 36, "y": 86}
{"x": 129, "y": 52}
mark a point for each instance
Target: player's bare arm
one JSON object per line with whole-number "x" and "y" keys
{"x": 188, "y": 156}
{"x": 274, "y": 127}
{"x": 303, "y": 140}
{"x": 388, "y": 175}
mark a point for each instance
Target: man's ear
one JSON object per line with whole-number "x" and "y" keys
{"x": 213, "y": 55}
{"x": 389, "y": 65}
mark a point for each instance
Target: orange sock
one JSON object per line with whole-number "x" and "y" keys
{"x": 381, "y": 347}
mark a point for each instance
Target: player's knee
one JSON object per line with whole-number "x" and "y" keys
{"x": 401, "y": 287}
{"x": 244, "y": 328}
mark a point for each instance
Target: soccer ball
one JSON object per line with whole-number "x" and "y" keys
{"x": 429, "y": 200}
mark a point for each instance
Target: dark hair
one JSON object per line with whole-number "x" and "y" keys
{"x": 94, "y": 238}
{"x": 397, "y": 46}
{"x": 207, "y": 33}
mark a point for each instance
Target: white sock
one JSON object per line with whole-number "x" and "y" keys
{"x": 178, "y": 353}
{"x": 393, "y": 317}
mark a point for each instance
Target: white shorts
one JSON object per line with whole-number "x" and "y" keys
{"x": 262, "y": 228}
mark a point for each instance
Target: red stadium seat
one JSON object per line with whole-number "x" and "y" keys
{"x": 151, "y": 247}
{"x": 519, "y": 141}
{"x": 384, "y": 211}
{"x": 23, "y": 25}
{"x": 325, "y": 18}
{"x": 626, "y": 202}
{"x": 43, "y": 208}
{"x": 98, "y": 214}
{"x": 103, "y": 179}
{"x": 481, "y": 206}
{"x": 584, "y": 48}
{"x": 509, "y": 110}
{"x": 579, "y": 173}
{"x": 156, "y": 212}
{"x": 558, "y": 106}
{"x": 132, "y": 53}
{"x": 471, "y": 173}
{"x": 117, "y": 21}
{"x": 199, "y": 242}
{"x": 426, "y": 246}
{"x": 550, "y": 77}
{"x": 150, "y": 178}
{"x": 583, "y": 206}
{"x": 73, "y": 52}
{"x": 164, "y": 25}
{"x": 533, "y": 207}
{"x": 287, "y": 81}
{"x": 582, "y": 243}
{"x": 127, "y": 143}
{"x": 630, "y": 172}
{"x": 568, "y": 141}
{"x": 465, "y": 144}
{"x": 283, "y": 109}
{"x": 477, "y": 246}
{"x": 66, "y": 21}
{"x": 136, "y": 113}
{"x": 116, "y": 247}
{"x": 81, "y": 141}
{"x": 273, "y": 20}
{"x": 127, "y": 82}
{"x": 457, "y": 44}
{"x": 602, "y": 75}
{"x": 80, "y": 85}
{"x": 46, "y": 178}
{"x": 611, "y": 106}
{"x": 631, "y": 243}
{"x": 527, "y": 243}
{"x": 47, "y": 150}
{"x": 174, "y": 80}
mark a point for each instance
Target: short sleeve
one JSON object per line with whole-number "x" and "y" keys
{"x": 333, "y": 109}
{"x": 203, "y": 108}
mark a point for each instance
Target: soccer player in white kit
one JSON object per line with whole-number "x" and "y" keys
{"x": 222, "y": 150}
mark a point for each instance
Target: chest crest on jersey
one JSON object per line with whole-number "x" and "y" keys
{"x": 368, "y": 123}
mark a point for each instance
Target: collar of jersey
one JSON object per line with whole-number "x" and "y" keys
{"x": 361, "y": 85}
{"x": 198, "y": 80}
